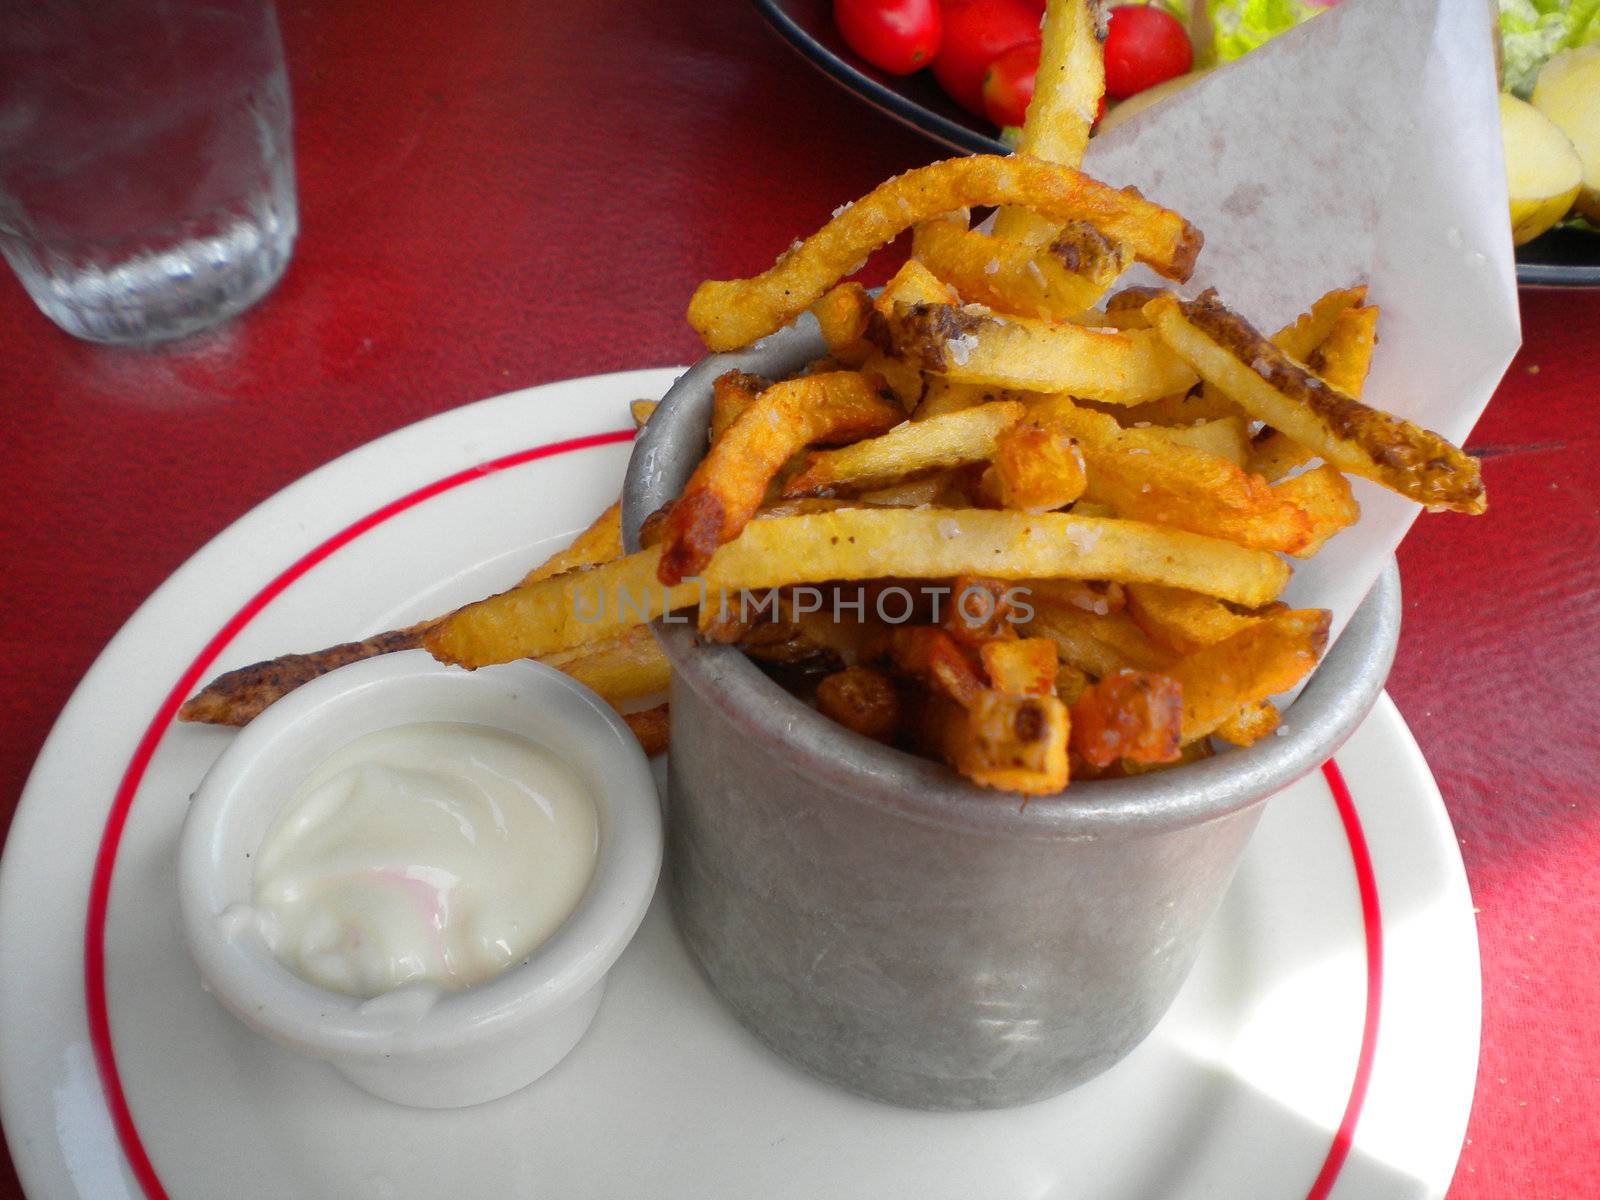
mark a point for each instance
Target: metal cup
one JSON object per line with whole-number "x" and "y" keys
{"x": 897, "y": 931}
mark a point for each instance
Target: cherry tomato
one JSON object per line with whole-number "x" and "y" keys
{"x": 1144, "y": 46}
{"x": 1008, "y": 84}
{"x": 898, "y": 36}
{"x": 976, "y": 32}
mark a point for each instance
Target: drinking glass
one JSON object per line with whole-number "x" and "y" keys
{"x": 146, "y": 173}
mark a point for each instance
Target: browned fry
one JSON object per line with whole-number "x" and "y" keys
{"x": 861, "y": 699}
{"x": 1132, "y": 715}
{"x": 600, "y": 542}
{"x": 932, "y": 655}
{"x": 979, "y": 610}
{"x": 1021, "y": 666}
{"x": 731, "y": 393}
{"x": 1061, "y": 275}
{"x": 1310, "y": 329}
{"x": 728, "y": 486}
{"x": 642, "y": 411}
{"x": 1268, "y": 657}
{"x": 652, "y": 727}
{"x": 1323, "y": 494}
{"x": 1022, "y": 354}
{"x": 1147, "y": 477}
{"x": 1273, "y": 388}
{"x": 1250, "y": 724}
{"x": 732, "y": 313}
{"x": 1125, "y": 309}
{"x": 1038, "y": 467}
{"x": 1341, "y": 359}
{"x": 238, "y": 696}
{"x": 1014, "y": 743}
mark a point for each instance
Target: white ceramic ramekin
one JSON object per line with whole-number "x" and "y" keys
{"x": 421, "y": 1046}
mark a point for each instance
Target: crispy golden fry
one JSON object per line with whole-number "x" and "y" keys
{"x": 1273, "y": 388}
{"x": 651, "y": 726}
{"x": 642, "y": 411}
{"x": 629, "y": 667}
{"x": 1178, "y": 409}
{"x": 1324, "y": 496}
{"x": 1125, "y": 309}
{"x": 1013, "y": 743}
{"x": 1269, "y": 657}
{"x": 1250, "y": 724}
{"x": 1341, "y": 360}
{"x": 1180, "y": 620}
{"x": 731, "y": 393}
{"x": 1311, "y": 328}
{"x": 575, "y": 609}
{"x": 843, "y": 315}
{"x": 237, "y": 697}
{"x": 942, "y": 396}
{"x": 1064, "y": 274}
{"x": 732, "y": 313}
{"x": 1068, "y": 85}
{"x": 960, "y": 437}
{"x": 1097, "y": 598}
{"x": 861, "y": 699}
{"x": 1037, "y": 356}
{"x": 869, "y": 543}
{"x": 1038, "y": 467}
{"x": 902, "y": 378}
{"x": 913, "y": 283}
{"x": 1097, "y": 645}
{"x": 1226, "y": 437}
{"x": 1021, "y": 666}
{"x": 1149, "y": 478}
{"x": 728, "y": 486}
{"x": 600, "y": 542}
{"x": 1133, "y": 715}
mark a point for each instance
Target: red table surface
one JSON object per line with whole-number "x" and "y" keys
{"x": 501, "y": 194}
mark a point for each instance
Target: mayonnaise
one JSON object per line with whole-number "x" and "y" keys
{"x": 431, "y": 853}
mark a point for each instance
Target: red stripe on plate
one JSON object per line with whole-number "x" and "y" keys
{"x": 94, "y": 969}
{"x": 94, "y": 942}
{"x": 1372, "y": 927}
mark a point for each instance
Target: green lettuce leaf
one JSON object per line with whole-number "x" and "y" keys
{"x": 1533, "y": 30}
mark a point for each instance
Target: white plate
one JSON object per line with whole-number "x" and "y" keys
{"x": 1324, "y": 1016}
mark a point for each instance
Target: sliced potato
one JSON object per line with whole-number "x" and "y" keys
{"x": 1543, "y": 170}
{"x": 1568, "y": 92}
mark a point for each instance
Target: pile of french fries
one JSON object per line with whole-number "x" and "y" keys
{"x": 1119, "y": 479}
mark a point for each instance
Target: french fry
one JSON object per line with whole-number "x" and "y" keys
{"x": 1038, "y": 467}
{"x": 1133, "y": 715}
{"x": 652, "y": 727}
{"x": 979, "y": 611}
{"x": 731, "y": 393}
{"x": 1180, "y": 620}
{"x": 843, "y": 315}
{"x": 630, "y": 667}
{"x": 861, "y": 699}
{"x": 1225, "y": 437}
{"x": 1021, "y": 666}
{"x": 1177, "y": 410}
{"x": 732, "y": 313}
{"x": 1037, "y": 356}
{"x": 1341, "y": 359}
{"x": 948, "y": 441}
{"x": 1012, "y": 743}
{"x": 1273, "y": 388}
{"x": 933, "y": 655}
{"x": 600, "y": 542}
{"x": 728, "y": 486}
{"x": 1323, "y": 494}
{"x": 1268, "y": 657}
{"x": 1063, "y": 274}
{"x": 1250, "y": 724}
{"x": 870, "y": 543}
{"x": 1097, "y": 645}
{"x": 642, "y": 411}
{"x": 1145, "y": 476}
{"x": 942, "y": 396}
